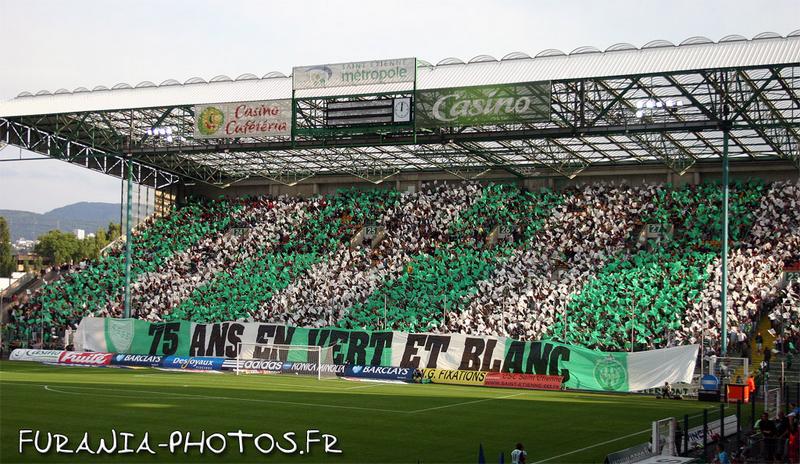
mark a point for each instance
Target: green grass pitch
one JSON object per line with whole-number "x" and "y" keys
{"x": 374, "y": 422}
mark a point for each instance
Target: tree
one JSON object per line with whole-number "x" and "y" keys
{"x": 7, "y": 263}
{"x": 88, "y": 248}
{"x": 114, "y": 231}
{"x": 101, "y": 237}
{"x": 60, "y": 247}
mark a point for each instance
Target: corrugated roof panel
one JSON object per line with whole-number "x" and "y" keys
{"x": 353, "y": 90}
{"x": 592, "y": 65}
{"x": 150, "y": 97}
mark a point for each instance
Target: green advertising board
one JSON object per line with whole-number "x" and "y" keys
{"x": 483, "y": 105}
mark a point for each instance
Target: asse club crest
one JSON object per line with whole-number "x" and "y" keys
{"x": 120, "y": 331}
{"x": 610, "y": 373}
{"x": 210, "y": 120}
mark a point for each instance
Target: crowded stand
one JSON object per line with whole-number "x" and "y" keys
{"x": 323, "y": 224}
{"x": 414, "y": 225}
{"x": 576, "y": 265}
{"x": 86, "y": 291}
{"x": 785, "y": 315}
{"x": 436, "y": 281}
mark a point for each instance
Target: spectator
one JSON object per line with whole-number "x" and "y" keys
{"x": 769, "y": 432}
{"x": 518, "y": 454}
{"x": 721, "y": 456}
{"x": 793, "y": 443}
{"x": 781, "y": 436}
{"x": 767, "y": 357}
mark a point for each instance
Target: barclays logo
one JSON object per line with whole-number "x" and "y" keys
{"x": 357, "y": 369}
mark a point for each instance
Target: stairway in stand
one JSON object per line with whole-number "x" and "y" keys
{"x": 778, "y": 363}
{"x": 757, "y": 356}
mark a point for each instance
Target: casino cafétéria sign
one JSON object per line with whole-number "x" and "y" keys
{"x": 243, "y": 119}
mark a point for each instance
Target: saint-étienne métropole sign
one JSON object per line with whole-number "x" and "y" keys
{"x": 483, "y": 105}
{"x": 356, "y": 73}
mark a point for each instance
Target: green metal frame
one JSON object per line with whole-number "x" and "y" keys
{"x": 593, "y": 123}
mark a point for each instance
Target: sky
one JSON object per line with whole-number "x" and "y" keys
{"x": 57, "y": 44}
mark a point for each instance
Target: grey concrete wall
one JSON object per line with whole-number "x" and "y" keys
{"x": 656, "y": 174}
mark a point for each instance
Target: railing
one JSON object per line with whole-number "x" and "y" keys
{"x": 11, "y": 289}
{"x": 119, "y": 241}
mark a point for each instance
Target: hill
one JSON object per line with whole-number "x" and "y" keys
{"x": 84, "y": 215}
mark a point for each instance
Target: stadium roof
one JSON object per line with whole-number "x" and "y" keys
{"x": 748, "y": 86}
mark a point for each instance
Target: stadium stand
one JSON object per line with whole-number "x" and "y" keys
{"x": 66, "y": 301}
{"x": 785, "y": 316}
{"x": 482, "y": 259}
{"x": 414, "y": 225}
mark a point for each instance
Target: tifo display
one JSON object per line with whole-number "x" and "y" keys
{"x": 585, "y": 266}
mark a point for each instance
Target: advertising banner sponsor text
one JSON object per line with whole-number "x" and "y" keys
{"x": 22, "y": 354}
{"x": 455, "y": 377}
{"x": 356, "y": 73}
{"x": 85, "y": 358}
{"x": 310, "y": 368}
{"x": 530, "y": 381}
{"x": 137, "y": 360}
{"x": 379, "y": 372}
{"x": 259, "y": 365}
{"x": 192, "y": 363}
{"x": 268, "y": 118}
{"x": 630, "y": 455}
{"x": 696, "y": 433}
{"x": 483, "y": 105}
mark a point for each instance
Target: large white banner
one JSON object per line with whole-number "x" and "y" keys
{"x": 356, "y": 73}
{"x": 581, "y": 368}
{"x": 244, "y": 119}
{"x": 649, "y": 369}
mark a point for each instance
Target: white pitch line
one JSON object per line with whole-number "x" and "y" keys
{"x": 605, "y": 442}
{"x": 228, "y": 398}
{"x": 266, "y": 382}
{"x": 593, "y": 446}
{"x": 55, "y": 390}
{"x": 372, "y": 385}
{"x": 467, "y": 402}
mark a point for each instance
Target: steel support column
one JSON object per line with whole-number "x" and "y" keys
{"x": 724, "y": 296}
{"x": 128, "y": 240}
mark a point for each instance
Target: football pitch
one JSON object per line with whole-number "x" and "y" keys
{"x": 372, "y": 422}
